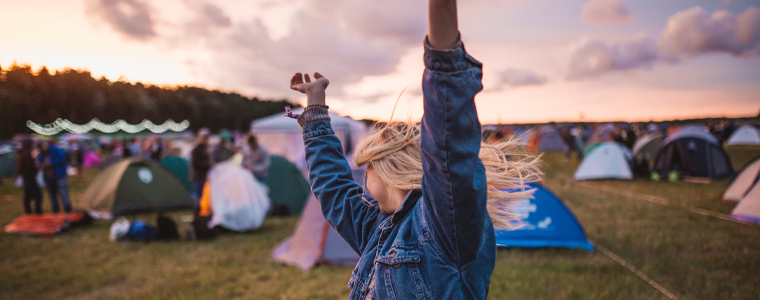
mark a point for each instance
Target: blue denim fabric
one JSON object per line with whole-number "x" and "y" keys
{"x": 439, "y": 244}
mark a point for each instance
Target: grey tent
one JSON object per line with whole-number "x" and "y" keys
{"x": 693, "y": 152}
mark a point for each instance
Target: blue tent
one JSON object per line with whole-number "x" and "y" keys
{"x": 547, "y": 223}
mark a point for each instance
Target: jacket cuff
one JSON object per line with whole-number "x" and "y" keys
{"x": 452, "y": 60}
{"x": 313, "y": 114}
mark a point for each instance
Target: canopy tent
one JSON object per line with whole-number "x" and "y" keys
{"x": 90, "y": 159}
{"x": 647, "y": 146}
{"x": 547, "y": 222}
{"x": 608, "y": 160}
{"x": 287, "y": 186}
{"x": 7, "y": 159}
{"x": 315, "y": 241}
{"x": 283, "y": 136}
{"x": 179, "y": 167}
{"x": 745, "y": 135}
{"x": 743, "y": 183}
{"x": 693, "y": 152}
{"x": 238, "y": 201}
{"x": 134, "y": 186}
{"x": 546, "y": 139}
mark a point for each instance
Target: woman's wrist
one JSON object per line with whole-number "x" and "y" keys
{"x": 315, "y": 96}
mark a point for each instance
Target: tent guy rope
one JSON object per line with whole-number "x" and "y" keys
{"x": 633, "y": 269}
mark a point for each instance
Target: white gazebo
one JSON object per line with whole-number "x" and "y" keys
{"x": 283, "y": 136}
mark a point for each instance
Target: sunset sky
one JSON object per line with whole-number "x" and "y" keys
{"x": 543, "y": 60}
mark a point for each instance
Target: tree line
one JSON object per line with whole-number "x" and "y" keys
{"x": 75, "y": 95}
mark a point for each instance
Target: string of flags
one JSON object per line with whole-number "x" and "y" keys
{"x": 95, "y": 124}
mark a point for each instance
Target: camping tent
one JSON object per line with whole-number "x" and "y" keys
{"x": 315, "y": 241}
{"x": 743, "y": 183}
{"x": 547, "y": 222}
{"x": 238, "y": 201}
{"x": 287, "y": 186}
{"x": 608, "y": 160}
{"x": 693, "y": 152}
{"x": 283, "y": 136}
{"x": 546, "y": 139}
{"x": 745, "y": 189}
{"x": 7, "y": 159}
{"x": 133, "y": 186}
{"x": 647, "y": 146}
{"x": 745, "y": 135}
{"x": 179, "y": 167}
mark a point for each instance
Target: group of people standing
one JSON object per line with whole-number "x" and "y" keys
{"x": 51, "y": 161}
{"x": 248, "y": 154}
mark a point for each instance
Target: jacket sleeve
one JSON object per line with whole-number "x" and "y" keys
{"x": 343, "y": 201}
{"x": 454, "y": 182}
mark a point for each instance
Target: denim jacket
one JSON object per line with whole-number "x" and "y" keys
{"x": 439, "y": 243}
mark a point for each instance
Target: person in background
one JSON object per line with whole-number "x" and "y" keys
{"x": 256, "y": 159}
{"x": 200, "y": 163}
{"x": 52, "y": 160}
{"x": 222, "y": 151}
{"x": 125, "y": 151}
{"x": 134, "y": 147}
{"x": 156, "y": 149}
{"x": 77, "y": 153}
{"x": 27, "y": 169}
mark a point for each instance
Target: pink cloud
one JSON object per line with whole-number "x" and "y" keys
{"x": 606, "y": 12}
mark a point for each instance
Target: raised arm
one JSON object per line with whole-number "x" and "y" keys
{"x": 454, "y": 182}
{"x": 341, "y": 198}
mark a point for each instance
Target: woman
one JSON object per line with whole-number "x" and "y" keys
{"x": 426, "y": 228}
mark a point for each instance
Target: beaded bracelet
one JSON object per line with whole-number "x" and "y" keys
{"x": 317, "y": 105}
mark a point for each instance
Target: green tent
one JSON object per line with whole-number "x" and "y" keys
{"x": 179, "y": 167}
{"x": 135, "y": 186}
{"x": 287, "y": 186}
{"x": 7, "y": 160}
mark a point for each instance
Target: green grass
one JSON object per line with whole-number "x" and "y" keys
{"x": 693, "y": 256}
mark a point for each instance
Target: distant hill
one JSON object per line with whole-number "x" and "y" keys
{"x": 75, "y": 95}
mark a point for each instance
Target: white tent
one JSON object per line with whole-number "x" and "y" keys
{"x": 745, "y": 135}
{"x": 745, "y": 189}
{"x": 283, "y": 136}
{"x": 608, "y": 160}
{"x": 743, "y": 183}
{"x": 238, "y": 201}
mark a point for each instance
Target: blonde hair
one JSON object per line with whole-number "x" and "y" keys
{"x": 393, "y": 151}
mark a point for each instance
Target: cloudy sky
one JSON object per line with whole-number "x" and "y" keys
{"x": 543, "y": 60}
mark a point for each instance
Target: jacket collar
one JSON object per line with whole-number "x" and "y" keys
{"x": 411, "y": 200}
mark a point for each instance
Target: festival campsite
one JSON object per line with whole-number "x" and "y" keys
{"x": 365, "y": 150}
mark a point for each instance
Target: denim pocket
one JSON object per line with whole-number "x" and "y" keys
{"x": 401, "y": 277}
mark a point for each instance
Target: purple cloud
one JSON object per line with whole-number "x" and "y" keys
{"x": 606, "y": 12}
{"x": 516, "y": 78}
{"x": 129, "y": 17}
{"x": 687, "y": 34}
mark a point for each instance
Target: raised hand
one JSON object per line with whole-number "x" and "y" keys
{"x": 315, "y": 91}
{"x": 303, "y": 84}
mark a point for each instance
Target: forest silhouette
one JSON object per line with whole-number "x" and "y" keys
{"x": 75, "y": 95}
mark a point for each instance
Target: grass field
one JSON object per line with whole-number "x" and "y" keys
{"x": 692, "y": 255}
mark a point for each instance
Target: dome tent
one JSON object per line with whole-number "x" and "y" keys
{"x": 546, "y": 139}
{"x": 314, "y": 240}
{"x": 647, "y": 146}
{"x": 745, "y": 135}
{"x": 741, "y": 186}
{"x": 608, "y": 160}
{"x": 547, "y": 222}
{"x": 287, "y": 186}
{"x": 693, "y": 152}
{"x": 134, "y": 186}
{"x": 7, "y": 159}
